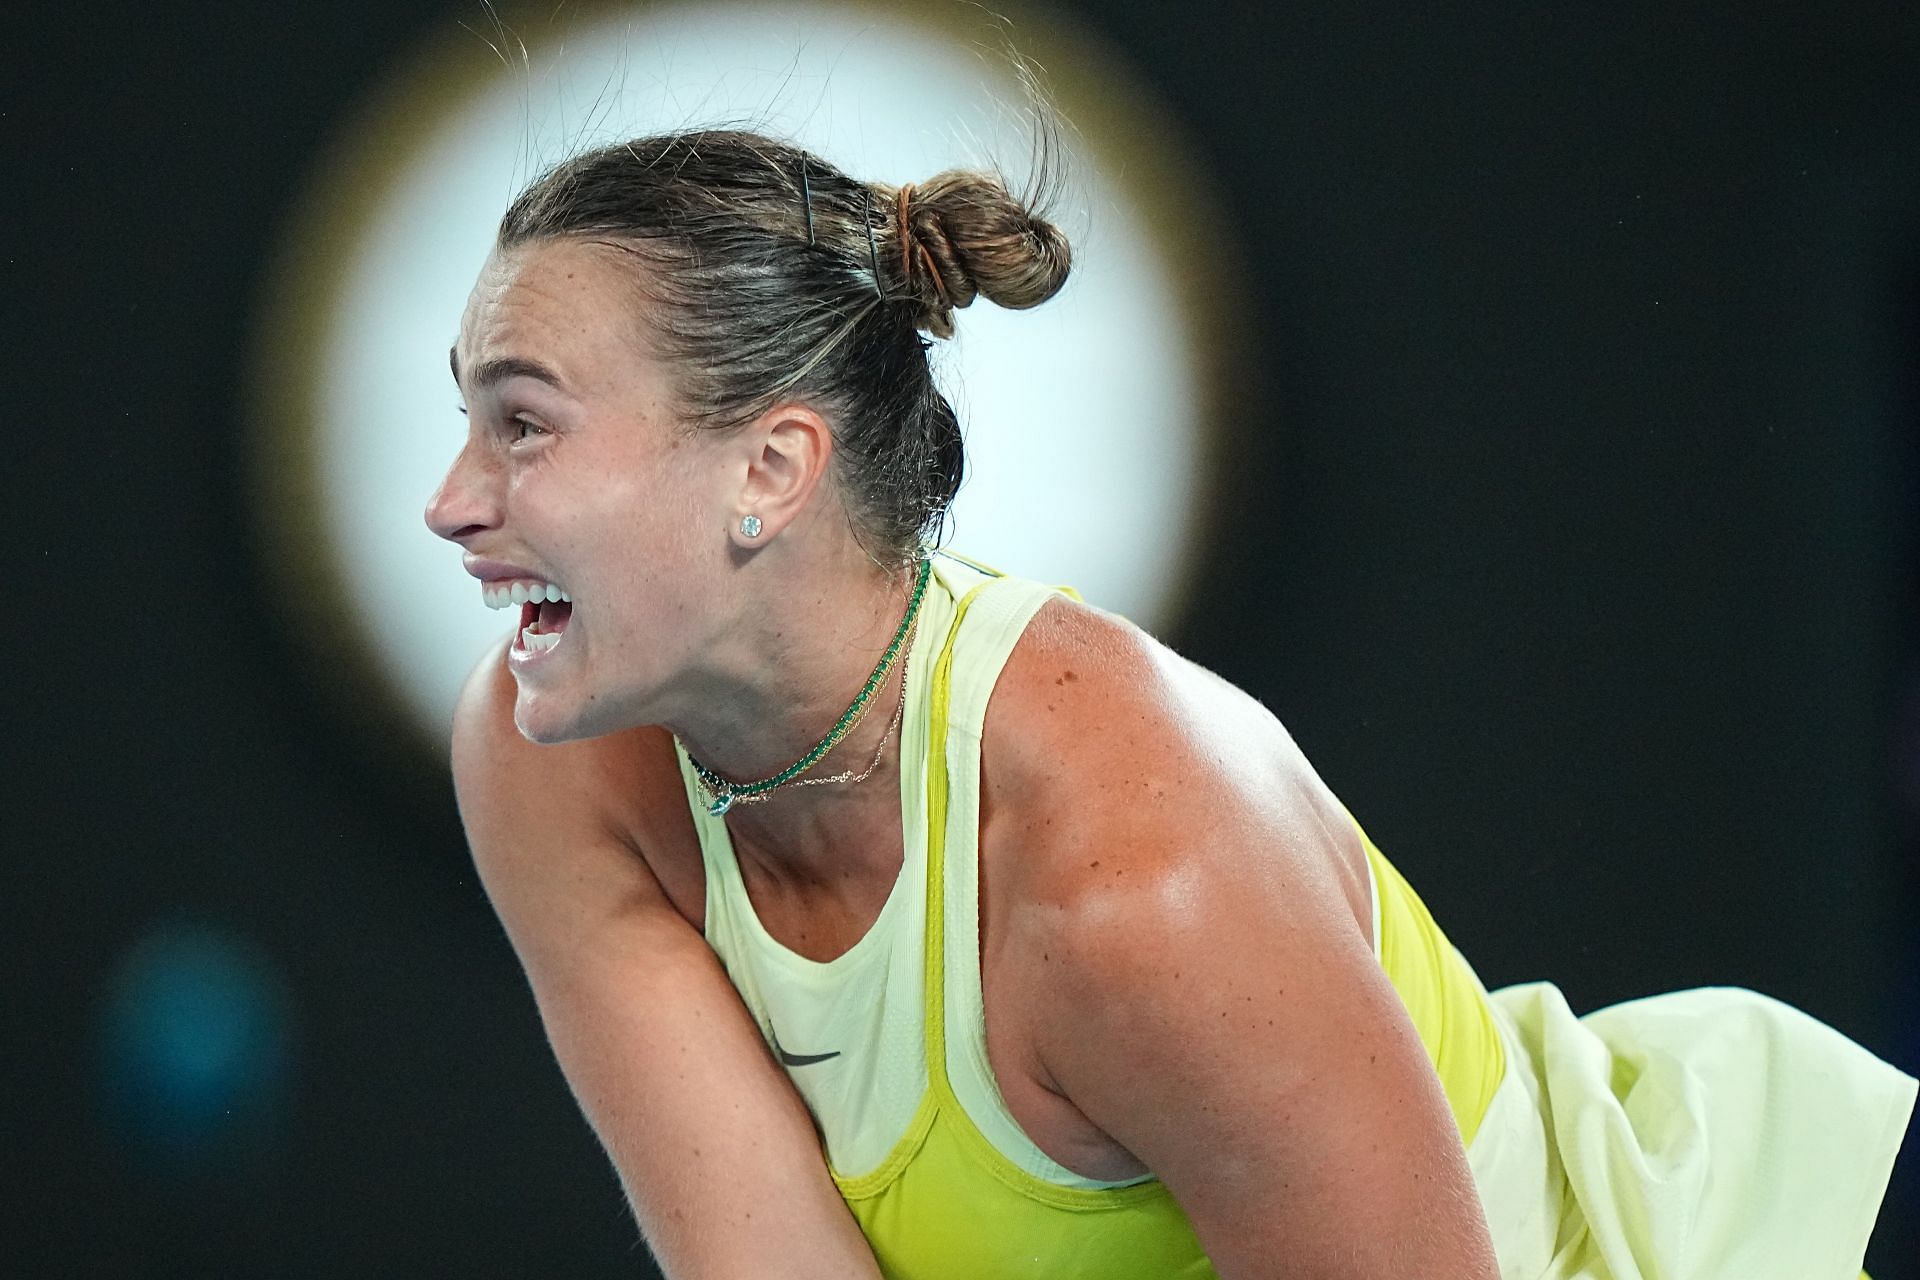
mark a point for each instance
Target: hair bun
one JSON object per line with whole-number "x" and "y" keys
{"x": 963, "y": 235}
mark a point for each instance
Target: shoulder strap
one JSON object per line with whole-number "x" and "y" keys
{"x": 961, "y": 1078}
{"x": 939, "y": 726}
{"x": 988, "y": 622}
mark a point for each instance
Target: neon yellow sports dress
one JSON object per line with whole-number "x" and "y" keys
{"x": 1701, "y": 1134}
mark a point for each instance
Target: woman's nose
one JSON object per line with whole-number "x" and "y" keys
{"x": 465, "y": 503}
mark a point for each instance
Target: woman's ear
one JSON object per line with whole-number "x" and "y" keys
{"x": 788, "y": 450}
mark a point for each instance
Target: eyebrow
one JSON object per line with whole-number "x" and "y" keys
{"x": 500, "y": 368}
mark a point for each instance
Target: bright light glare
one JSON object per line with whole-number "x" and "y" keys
{"x": 1082, "y": 417}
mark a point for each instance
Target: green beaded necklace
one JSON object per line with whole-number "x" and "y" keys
{"x": 727, "y": 793}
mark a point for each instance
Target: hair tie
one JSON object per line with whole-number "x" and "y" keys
{"x": 906, "y": 233}
{"x": 932, "y": 268}
{"x": 910, "y": 245}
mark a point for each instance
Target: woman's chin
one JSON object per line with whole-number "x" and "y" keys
{"x": 541, "y": 718}
{"x": 545, "y": 716}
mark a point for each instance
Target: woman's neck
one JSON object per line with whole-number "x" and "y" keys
{"x": 779, "y": 684}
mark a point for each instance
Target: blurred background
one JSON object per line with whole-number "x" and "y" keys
{"x": 1535, "y": 427}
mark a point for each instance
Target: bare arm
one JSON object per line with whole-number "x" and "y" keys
{"x": 715, "y": 1150}
{"x": 1205, "y": 996}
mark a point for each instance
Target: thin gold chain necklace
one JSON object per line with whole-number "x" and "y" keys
{"x": 724, "y": 793}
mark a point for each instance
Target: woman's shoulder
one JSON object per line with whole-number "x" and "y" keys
{"x": 1131, "y": 777}
{"x": 602, "y": 803}
{"x": 1089, "y": 699}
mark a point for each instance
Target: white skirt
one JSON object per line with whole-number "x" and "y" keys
{"x": 1699, "y": 1135}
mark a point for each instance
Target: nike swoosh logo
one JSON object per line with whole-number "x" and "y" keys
{"x": 796, "y": 1059}
{"x": 804, "y": 1059}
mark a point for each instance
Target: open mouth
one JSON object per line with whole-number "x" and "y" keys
{"x": 542, "y": 624}
{"x": 544, "y": 612}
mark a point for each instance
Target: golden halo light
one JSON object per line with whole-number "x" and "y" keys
{"x": 1090, "y": 422}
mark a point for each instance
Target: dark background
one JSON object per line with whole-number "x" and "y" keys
{"x": 1571, "y": 530}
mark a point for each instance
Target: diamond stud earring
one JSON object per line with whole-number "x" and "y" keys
{"x": 750, "y": 526}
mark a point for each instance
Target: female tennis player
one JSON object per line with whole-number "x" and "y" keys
{"x": 890, "y": 915}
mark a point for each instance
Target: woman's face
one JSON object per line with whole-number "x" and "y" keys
{"x": 576, "y": 476}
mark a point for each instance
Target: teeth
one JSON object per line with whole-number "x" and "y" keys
{"x": 503, "y": 595}
{"x": 539, "y": 641}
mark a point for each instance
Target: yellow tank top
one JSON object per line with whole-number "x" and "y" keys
{"x": 887, "y": 1042}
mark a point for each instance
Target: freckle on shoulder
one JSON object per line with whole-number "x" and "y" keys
{"x": 1073, "y": 670}
{"x": 1068, "y": 643}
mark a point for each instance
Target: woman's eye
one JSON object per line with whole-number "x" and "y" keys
{"x": 520, "y": 429}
